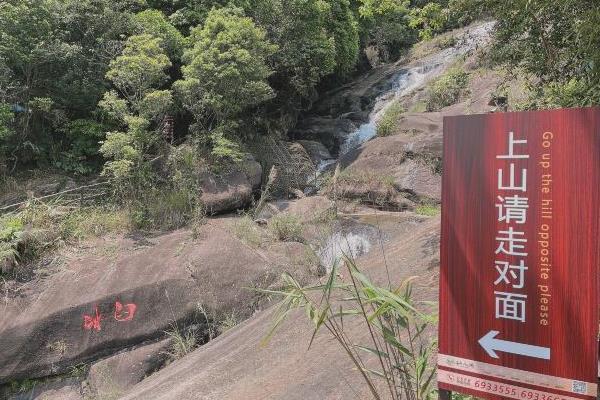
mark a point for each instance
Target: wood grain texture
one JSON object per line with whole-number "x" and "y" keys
{"x": 470, "y": 227}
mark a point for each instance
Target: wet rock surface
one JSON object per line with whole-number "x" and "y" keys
{"x": 316, "y": 151}
{"x": 351, "y": 240}
{"x": 330, "y": 131}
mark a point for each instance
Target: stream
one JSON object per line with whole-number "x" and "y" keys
{"x": 357, "y": 239}
{"x": 416, "y": 77}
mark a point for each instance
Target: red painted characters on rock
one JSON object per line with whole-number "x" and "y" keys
{"x": 123, "y": 313}
{"x": 92, "y": 322}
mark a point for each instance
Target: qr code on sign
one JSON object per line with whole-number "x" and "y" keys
{"x": 579, "y": 387}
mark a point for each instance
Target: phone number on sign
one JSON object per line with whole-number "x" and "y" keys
{"x": 513, "y": 391}
{"x": 502, "y": 389}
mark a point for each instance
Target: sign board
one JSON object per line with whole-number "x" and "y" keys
{"x": 519, "y": 255}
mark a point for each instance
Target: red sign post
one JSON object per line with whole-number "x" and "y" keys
{"x": 520, "y": 251}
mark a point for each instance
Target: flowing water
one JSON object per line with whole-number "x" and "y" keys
{"x": 352, "y": 241}
{"x": 358, "y": 239}
{"x": 410, "y": 79}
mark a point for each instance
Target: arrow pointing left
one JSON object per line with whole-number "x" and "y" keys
{"x": 490, "y": 344}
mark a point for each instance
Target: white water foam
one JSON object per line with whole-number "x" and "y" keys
{"x": 407, "y": 80}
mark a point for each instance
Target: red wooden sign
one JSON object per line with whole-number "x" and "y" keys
{"x": 519, "y": 255}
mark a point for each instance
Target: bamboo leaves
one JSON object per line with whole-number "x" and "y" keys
{"x": 396, "y": 361}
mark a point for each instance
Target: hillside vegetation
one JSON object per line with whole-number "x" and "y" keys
{"x": 168, "y": 112}
{"x": 115, "y": 88}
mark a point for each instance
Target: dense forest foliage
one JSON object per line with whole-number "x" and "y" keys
{"x": 85, "y": 81}
{"x": 87, "y": 85}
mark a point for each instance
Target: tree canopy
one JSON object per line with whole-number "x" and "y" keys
{"x": 231, "y": 70}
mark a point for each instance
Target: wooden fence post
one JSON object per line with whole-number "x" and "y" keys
{"x": 445, "y": 394}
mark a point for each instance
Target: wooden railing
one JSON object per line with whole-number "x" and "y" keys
{"x": 77, "y": 197}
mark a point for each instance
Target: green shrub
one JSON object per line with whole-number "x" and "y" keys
{"x": 38, "y": 215}
{"x": 182, "y": 343}
{"x": 10, "y": 228}
{"x": 32, "y": 243}
{"x": 444, "y": 42}
{"x": 20, "y": 243}
{"x": 22, "y": 386}
{"x": 447, "y": 89}
{"x": 79, "y": 370}
{"x": 393, "y": 329}
{"x": 429, "y": 210}
{"x": 573, "y": 93}
{"x": 229, "y": 321}
{"x": 246, "y": 230}
{"x": 165, "y": 210}
{"x": 418, "y": 107}
{"x": 286, "y": 227}
{"x": 94, "y": 222}
{"x": 352, "y": 177}
{"x": 389, "y": 119}
{"x": 6, "y": 118}
{"x": 172, "y": 210}
{"x": 83, "y": 157}
{"x": 8, "y": 257}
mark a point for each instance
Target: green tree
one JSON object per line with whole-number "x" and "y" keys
{"x": 140, "y": 67}
{"x": 186, "y": 14}
{"x": 135, "y": 74}
{"x": 96, "y": 28}
{"x": 385, "y": 25}
{"x": 344, "y": 28}
{"x": 31, "y": 50}
{"x": 225, "y": 74}
{"x": 428, "y": 20}
{"x": 306, "y": 54}
{"x": 155, "y": 23}
{"x": 56, "y": 50}
{"x": 25, "y": 27}
{"x": 6, "y": 132}
{"x": 554, "y": 41}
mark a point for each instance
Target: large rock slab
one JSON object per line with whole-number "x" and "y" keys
{"x": 232, "y": 189}
{"x": 110, "y": 377}
{"x": 392, "y": 172}
{"x": 59, "y": 389}
{"x": 238, "y": 365}
{"x": 316, "y": 151}
{"x": 122, "y": 293}
{"x": 307, "y": 209}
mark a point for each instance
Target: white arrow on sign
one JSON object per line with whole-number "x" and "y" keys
{"x": 490, "y": 344}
